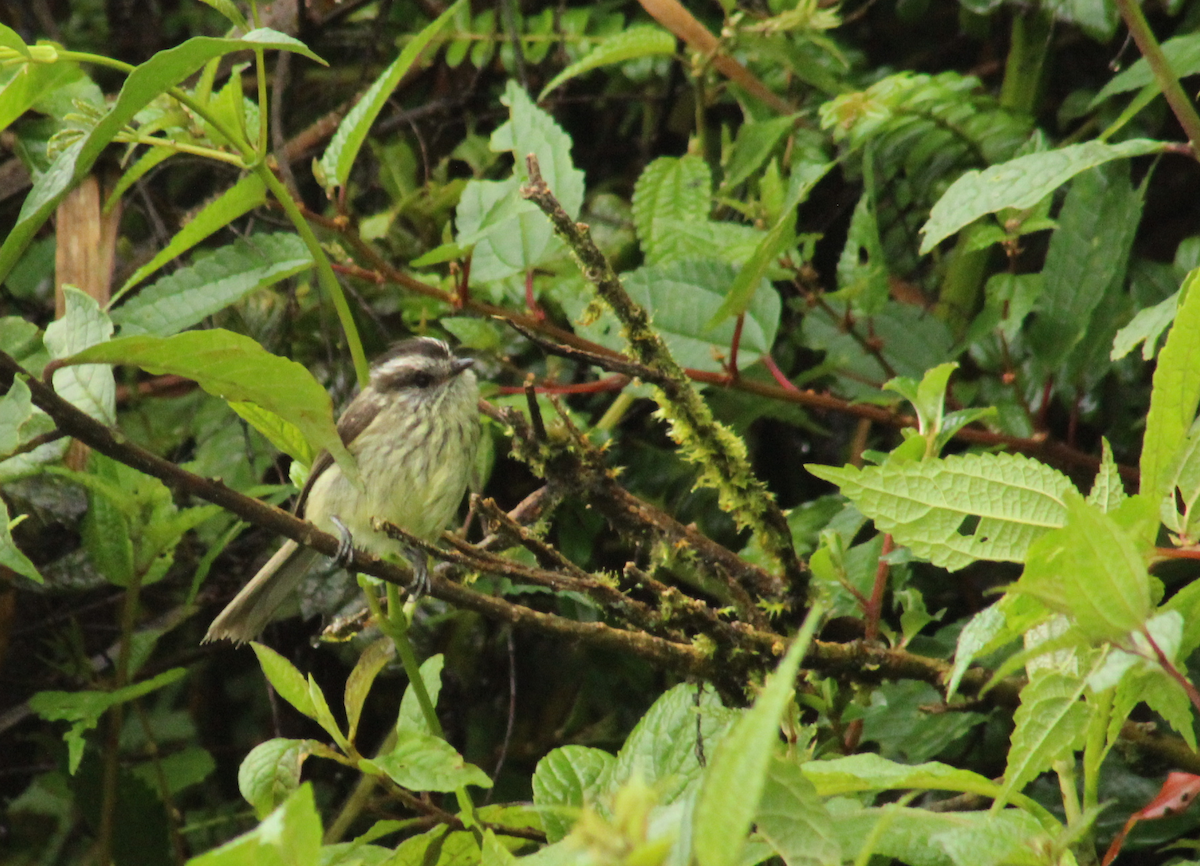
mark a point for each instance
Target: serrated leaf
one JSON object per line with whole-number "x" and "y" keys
{"x": 564, "y": 781}
{"x": 1019, "y": 183}
{"x": 735, "y": 779}
{"x": 1092, "y": 570}
{"x": 754, "y": 143}
{"x": 91, "y": 387}
{"x": 147, "y": 81}
{"x": 410, "y": 717}
{"x": 358, "y": 684}
{"x": 423, "y": 762}
{"x": 682, "y": 297}
{"x": 348, "y": 140}
{"x": 1146, "y": 326}
{"x": 236, "y": 368}
{"x": 1049, "y": 726}
{"x": 1108, "y": 490}
{"x": 1174, "y": 394}
{"x": 960, "y": 509}
{"x": 862, "y": 271}
{"x": 752, "y": 274}
{"x": 641, "y": 40}
{"x": 992, "y": 628}
{"x": 285, "y": 679}
{"x": 1089, "y": 252}
{"x": 669, "y": 189}
{"x": 191, "y": 294}
{"x": 794, "y": 820}
{"x": 245, "y": 195}
{"x": 271, "y": 772}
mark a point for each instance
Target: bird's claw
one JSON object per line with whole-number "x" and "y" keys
{"x": 420, "y": 565}
{"x": 345, "y": 550}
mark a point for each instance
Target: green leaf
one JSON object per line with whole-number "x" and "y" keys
{"x": 152, "y": 78}
{"x": 661, "y": 749}
{"x": 1049, "y": 726}
{"x": 735, "y": 780}
{"x": 510, "y": 235}
{"x": 245, "y": 195}
{"x": 348, "y": 140}
{"x": 960, "y": 509}
{"x": 271, "y": 773}
{"x": 1175, "y": 393}
{"x": 1181, "y": 52}
{"x": 106, "y": 525}
{"x": 754, "y": 143}
{"x": 285, "y": 679}
{"x": 423, "y": 762}
{"x": 91, "y": 387}
{"x": 191, "y": 294}
{"x": 289, "y": 836}
{"x": 1089, "y": 253}
{"x": 641, "y": 40}
{"x": 20, "y": 420}
{"x": 1092, "y": 570}
{"x": 862, "y": 273}
{"x": 11, "y": 555}
{"x": 282, "y": 434}
{"x": 1020, "y": 183}
{"x": 1108, "y": 490}
{"x": 1145, "y": 327}
{"x": 669, "y": 188}
{"x": 682, "y": 297}
{"x": 358, "y": 684}
{"x": 83, "y": 709}
{"x": 10, "y": 38}
{"x": 992, "y": 628}
{"x": 236, "y": 368}
{"x": 752, "y": 274}
{"x": 230, "y": 11}
{"x": 31, "y": 84}
{"x": 869, "y": 772}
{"x": 411, "y": 717}
{"x": 564, "y": 781}
{"x": 794, "y": 820}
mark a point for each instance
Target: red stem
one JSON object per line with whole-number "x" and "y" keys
{"x": 875, "y": 606}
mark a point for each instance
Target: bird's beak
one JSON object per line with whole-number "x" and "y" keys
{"x": 460, "y": 364}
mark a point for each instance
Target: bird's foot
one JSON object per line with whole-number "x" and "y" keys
{"x": 345, "y": 550}
{"x": 420, "y": 565}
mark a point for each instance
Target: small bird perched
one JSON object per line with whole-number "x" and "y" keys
{"x": 414, "y": 431}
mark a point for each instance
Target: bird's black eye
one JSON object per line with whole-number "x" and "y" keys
{"x": 422, "y": 379}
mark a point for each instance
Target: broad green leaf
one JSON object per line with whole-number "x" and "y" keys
{"x": 928, "y": 397}
{"x": 682, "y": 297}
{"x": 11, "y": 555}
{"x": 564, "y": 781}
{"x": 669, "y": 188}
{"x": 641, "y": 40}
{"x": 348, "y": 140}
{"x": 1108, "y": 490}
{"x": 230, "y": 11}
{"x": 30, "y": 84}
{"x": 1089, "y": 253}
{"x": 1092, "y": 570}
{"x": 289, "y": 836}
{"x": 285, "y": 679}
{"x": 423, "y": 762}
{"x": 191, "y": 294}
{"x": 692, "y": 239}
{"x": 1181, "y": 52}
{"x": 661, "y": 749}
{"x": 862, "y": 272}
{"x": 245, "y": 195}
{"x": 750, "y": 276}
{"x": 960, "y": 509}
{"x": 358, "y": 684}
{"x": 1175, "y": 393}
{"x": 794, "y": 820}
{"x": 868, "y": 772}
{"x": 157, "y": 75}
{"x": 986, "y": 841}
{"x": 410, "y": 717}
{"x": 1020, "y": 183}
{"x": 512, "y": 236}
{"x": 323, "y": 715}
{"x": 142, "y": 166}
{"x": 734, "y": 781}
{"x": 10, "y": 38}
{"x": 1145, "y": 327}
{"x": 106, "y": 527}
{"x": 1049, "y": 726}
{"x": 20, "y": 420}
{"x": 271, "y": 773}
{"x": 494, "y": 853}
{"x": 83, "y": 709}
{"x": 282, "y": 434}
{"x": 236, "y": 368}
{"x": 90, "y": 387}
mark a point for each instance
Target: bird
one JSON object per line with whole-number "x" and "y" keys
{"x": 414, "y": 432}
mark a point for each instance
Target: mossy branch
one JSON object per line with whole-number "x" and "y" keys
{"x": 719, "y": 452}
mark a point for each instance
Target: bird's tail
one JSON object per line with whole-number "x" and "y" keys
{"x": 251, "y": 609}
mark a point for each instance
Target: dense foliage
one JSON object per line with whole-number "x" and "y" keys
{"x": 838, "y": 497}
